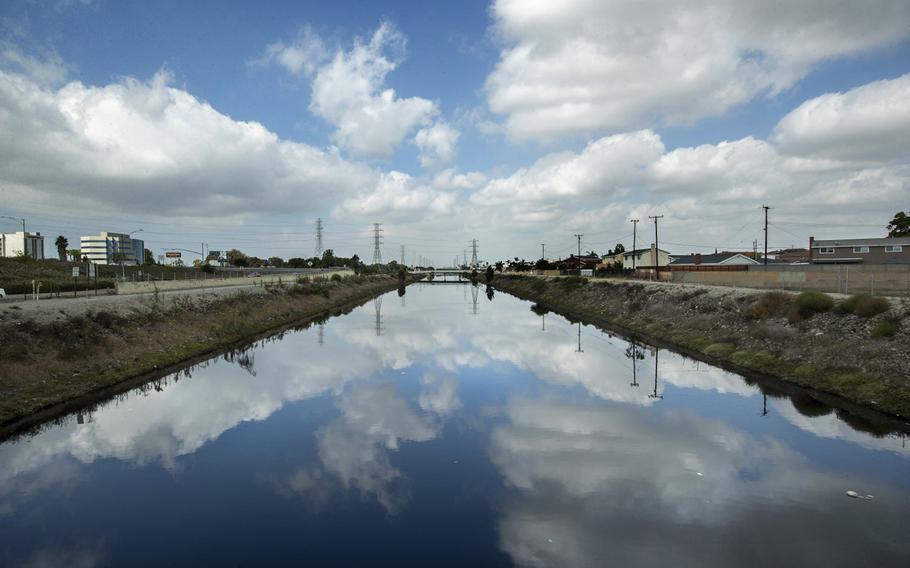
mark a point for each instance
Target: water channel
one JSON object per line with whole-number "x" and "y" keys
{"x": 445, "y": 427}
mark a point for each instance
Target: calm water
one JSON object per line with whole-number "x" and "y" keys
{"x": 445, "y": 428}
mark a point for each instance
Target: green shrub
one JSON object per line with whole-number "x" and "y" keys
{"x": 888, "y": 327}
{"x": 769, "y": 304}
{"x": 813, "y": 302}
{"x": 539, "y": 285}
{"x": 336, "y": 277}
{"x": 863, "y": 305}
{"x": 872, "y": 306}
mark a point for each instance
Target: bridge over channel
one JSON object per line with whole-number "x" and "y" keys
{"x": 445, "y": 275}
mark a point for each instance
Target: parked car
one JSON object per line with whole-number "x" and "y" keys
{"x": 2, "y": 293}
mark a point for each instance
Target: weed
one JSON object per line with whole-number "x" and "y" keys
{"x": 809, "y": 303}
{"x": 888, "y": 327}
{"x": 769, "y": 304}
{"x": 574, "y": 281}
{"x": 539, "y": 285}
{"x": 336, "y": 278}
{"x": 863, "y": 305}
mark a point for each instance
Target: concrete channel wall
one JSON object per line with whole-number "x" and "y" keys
{"x": 881, "y": 279}
{"x": 267, "y": 280}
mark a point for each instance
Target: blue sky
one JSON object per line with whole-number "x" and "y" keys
{"x": 512, "y": 122}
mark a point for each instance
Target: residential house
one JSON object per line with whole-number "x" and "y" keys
{"x": 888, "y": 250}
{"x": 716, "y": 261}
{"x": 585, "y": 261}
{"x": 791, "y": 255}
{"x": 645, "y": 258}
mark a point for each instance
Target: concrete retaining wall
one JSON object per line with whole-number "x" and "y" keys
{"x": 169, "y": 285}
{"x": 845, "y": 279}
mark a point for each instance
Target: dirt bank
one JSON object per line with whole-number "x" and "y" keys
{"x": 44, "y": 364}
{"x": 856, "y": 348}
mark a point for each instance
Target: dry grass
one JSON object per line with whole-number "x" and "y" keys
{"x": 769, "y": 304}
{"x": 44, "y": 364}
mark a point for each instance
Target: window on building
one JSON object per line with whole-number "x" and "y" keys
{"x": 826, "y": 250}
{"x": 894, "y": 248}
{"x": 860, "y": 250}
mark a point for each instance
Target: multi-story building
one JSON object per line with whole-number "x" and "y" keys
{"x": 108, "y": 248}
{"x": 15, "y": 244}
{"x": 888, "y": 250}
{"x": 139, "y": 251}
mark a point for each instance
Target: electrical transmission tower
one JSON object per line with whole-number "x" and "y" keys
{"x": 377, "y": 240}
{"x": 377, "y": 305}
{"x": 473, "y": 253}
{"x": 402, "y": 256}
{"x": 577, "y": 236}
{"x": 319, "y": 238}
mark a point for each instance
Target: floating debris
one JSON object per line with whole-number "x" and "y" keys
{"x": 856, "y": 495}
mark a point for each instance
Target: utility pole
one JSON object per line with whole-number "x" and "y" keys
{"x": 579, "y": 349}
{"x": 655, "y": 395}
{"x": 464, "y": 257}
{"x": 656, "y": 244}
{"x": 543, "y": 255}
{"x": 634, "y": 240}
{"x": 473, "y": 253}
{"x": 577, "y": 236}
{"x": 765, "y": 207}
{"x": 318, "y": 251}
{"x": 402, "y": 255}
{"x": 377, "y": 240}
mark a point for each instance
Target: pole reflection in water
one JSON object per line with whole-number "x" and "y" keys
{"x": 359, "y": 429}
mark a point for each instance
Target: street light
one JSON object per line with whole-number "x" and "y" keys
{"x": 15, "y": 219}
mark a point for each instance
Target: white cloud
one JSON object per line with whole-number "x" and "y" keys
{"x": 48, "y": 71}
{"x": 301, "y": 56}
{"x": 710, "y": 194}
{"x": 348, "y": 92}
{"x": 437, "y": 144}
{"x": 871, "y": 122}
{"x": 398, "y": 195}
{"x": 148, "y": 145}
{"x": 583, "y": 67}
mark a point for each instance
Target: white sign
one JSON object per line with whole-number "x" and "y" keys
{"x": 75, "y": 272}
{"x": 91, "y": 270}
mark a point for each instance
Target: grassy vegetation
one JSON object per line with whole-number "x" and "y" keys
{"x": 863, "y": 305}
{"x": 811, "y": 302}
{"x": 735, "y": 335}
{"x": 51, "y": 363}
{"x": 17, "y": 274}
{"x": 888, "y": 327}
{"x": 769, "y": 304}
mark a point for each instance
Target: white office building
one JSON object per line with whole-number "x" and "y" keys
{"x": 15, "y": 244}
{"x": 108, "y": 248}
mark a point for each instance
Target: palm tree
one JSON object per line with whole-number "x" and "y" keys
{"x": 61, "y": 243}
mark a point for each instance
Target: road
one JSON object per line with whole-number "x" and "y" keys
{"x": 51, "y": 309}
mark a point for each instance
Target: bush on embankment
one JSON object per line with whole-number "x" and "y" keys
{"x": 796, "y": 337}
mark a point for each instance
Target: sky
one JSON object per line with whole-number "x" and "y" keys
{"x": 516, "y": 123}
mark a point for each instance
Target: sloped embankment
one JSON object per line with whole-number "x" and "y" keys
{"x": 44, "y": 365}
{"x": 857, "y": 349}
